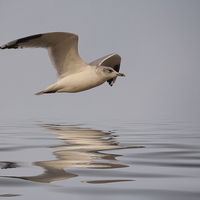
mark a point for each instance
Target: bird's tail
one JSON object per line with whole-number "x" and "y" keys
{"x": 50, "y": 89}
{"x": 45, "y": 92}
{"x": 39, "y": 93}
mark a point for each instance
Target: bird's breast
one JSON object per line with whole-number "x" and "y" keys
{"x": 79, "y": 82}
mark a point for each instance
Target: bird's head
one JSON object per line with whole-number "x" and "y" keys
{"x": 110, "y": 73}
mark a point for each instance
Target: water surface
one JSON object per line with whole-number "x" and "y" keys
{"x": 100, "y": 160}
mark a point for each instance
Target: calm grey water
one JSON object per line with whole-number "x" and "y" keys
{"x": 99, "y": 160}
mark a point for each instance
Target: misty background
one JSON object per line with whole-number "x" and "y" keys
{"x": 159, "y": 42}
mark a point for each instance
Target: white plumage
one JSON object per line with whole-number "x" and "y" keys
{"x": 73, "y": 74}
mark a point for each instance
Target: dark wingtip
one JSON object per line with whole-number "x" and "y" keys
{"x": 26, "y": 39}
{"x": 111, "y": 82}
{"x": 3, "y": 47}
{"x": 16, "y": 44}
{"x": 11, "y": 46}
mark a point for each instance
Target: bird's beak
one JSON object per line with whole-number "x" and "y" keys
{"x": 120, "y": 74}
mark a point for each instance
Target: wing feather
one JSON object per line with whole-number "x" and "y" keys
{"x": 61, "y": 46}
{"x": 111, "y": 60}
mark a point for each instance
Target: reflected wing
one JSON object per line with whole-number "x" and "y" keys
{"x": 62, "y": 48}
{"x": 111, "y": 60}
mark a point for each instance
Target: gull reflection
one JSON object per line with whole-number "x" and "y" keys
{"x": 81, "y": 148}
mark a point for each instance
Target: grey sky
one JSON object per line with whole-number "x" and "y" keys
{"x": 158, "y": 41}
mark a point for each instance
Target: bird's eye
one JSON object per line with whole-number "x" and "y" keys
{"x": 110, "y": 70}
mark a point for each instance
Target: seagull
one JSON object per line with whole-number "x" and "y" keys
{"x": 73, "y": 74}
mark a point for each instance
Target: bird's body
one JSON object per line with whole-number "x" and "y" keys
{"x": 78, "y": 82}
{"x": 73, "y": 74}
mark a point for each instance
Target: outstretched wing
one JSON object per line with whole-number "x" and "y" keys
{"x": 62, "y": 48}
{"x": 111, "y": 60}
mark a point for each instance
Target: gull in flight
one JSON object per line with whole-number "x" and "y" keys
{"x": 73, "y": 74}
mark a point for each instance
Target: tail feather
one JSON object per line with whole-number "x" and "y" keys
{"x": 39, "y": 93}
{"x": 50, "y": 89}
{"x": 46, "y": 92}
